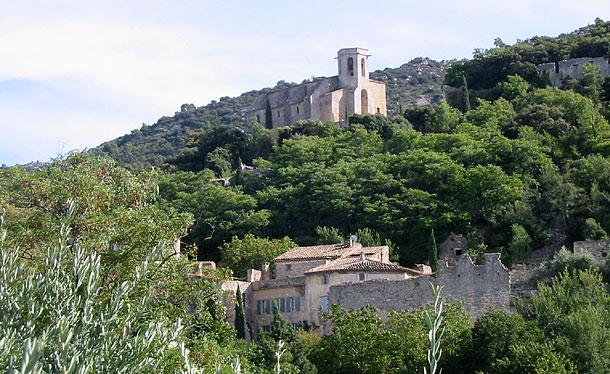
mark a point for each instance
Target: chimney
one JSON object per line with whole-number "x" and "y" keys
{"x": 362, "y": 256}
{"x": 265, "y": 273}
{"x": 351, "y": 241}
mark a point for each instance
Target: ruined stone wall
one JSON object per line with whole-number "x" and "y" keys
{"x": 600, "y": 249}
{"x": 572, "y": 68}
{"x": 230, "y": 287}
{"x": 480, "y": 287}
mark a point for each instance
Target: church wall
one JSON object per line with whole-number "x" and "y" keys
{"x": 325, "y": 100}
{"x": 378, "y": 93}
{"x": 330, "y": 106}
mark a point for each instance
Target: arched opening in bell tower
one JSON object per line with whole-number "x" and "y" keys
{"x": 350, "y": 66}
{"x": 364, "y": 102}
{"x": 362, "y": 65}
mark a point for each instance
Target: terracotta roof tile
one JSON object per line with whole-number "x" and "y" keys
{"x": 356, "y": 264}
{"x": 330, "y": 251}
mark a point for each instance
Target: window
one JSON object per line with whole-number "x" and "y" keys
{"x": 350, "y": 66}
{"x": 267, "y": 328}
{"x": 297, "y": 326}
{"x": 324, "y": 303}
{"x": 278, "y": 114}
{"x": 288, "y": 267}
{"x": 258, "y": 118}
{"x": 258, "y": 306}
{"x": 362, "y": 67}
{"x": 325, "y": 279}
{"x": 361, "y": 276}
{"x": 297, "y": 110}
{"x": 378, "y": 110}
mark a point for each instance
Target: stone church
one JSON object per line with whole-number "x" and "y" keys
{"x": 329, "y": 99}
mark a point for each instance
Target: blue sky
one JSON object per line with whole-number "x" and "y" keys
{"x": 74, "y": 74}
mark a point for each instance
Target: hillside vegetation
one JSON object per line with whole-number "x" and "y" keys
{"x": 87, "y": 246}
{"x": 152, "y": 145}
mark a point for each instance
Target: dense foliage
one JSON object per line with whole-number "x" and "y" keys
{"x": 489, "y": 67}
{"x": 512, "y": 175}
{"x": 89, "y": 263}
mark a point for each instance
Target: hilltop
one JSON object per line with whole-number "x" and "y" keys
{"x": 417, "y": 82}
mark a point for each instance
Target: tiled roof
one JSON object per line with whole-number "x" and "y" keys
{"x": 329, "y": 251}
{"x": 370, "y": 250}
{"x": 357, "y": 264}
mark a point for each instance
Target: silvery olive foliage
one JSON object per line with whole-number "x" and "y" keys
{"x": 435, "y": 333}
{"x": 58, "y": 320}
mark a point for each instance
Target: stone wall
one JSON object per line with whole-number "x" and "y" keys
{"x": 297, "y": 267}
{"x": 600, "y": 249}
{"x": 480, "y": 287}
{"x": 572, "y": 68}
{"x": 230, "y": 287}
{"x": 379, "y": 103}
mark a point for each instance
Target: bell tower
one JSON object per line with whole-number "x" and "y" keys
{"x": 353, "y": 67}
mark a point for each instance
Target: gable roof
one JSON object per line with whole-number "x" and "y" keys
{"x": 329, "y": 251}
{"x": 357, "y": 264}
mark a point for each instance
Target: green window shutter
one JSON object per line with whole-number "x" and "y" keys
{"x": 297, "y": 303}
{"x": 258, "y": 307}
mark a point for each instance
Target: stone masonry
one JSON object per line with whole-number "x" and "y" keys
{"x": 566, "y": 69}
{"x": 480, "y": 287}
{"x": 329, "y": 99}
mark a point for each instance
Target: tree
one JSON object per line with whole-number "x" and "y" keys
{"x": 433, "y": 255}
{"x": 575, "y": 308}
{"x": 294, "y": 359}
{"x": 521, "y": 242}
{"x": 240, "y": 322}
{"x": 61, "y": 320}
{"x": 466, "y": 94}
{"x": 358, "y": 343}
{"x": 251, "y": 252}
{"x": 513, "y": 87}
{"x": 495, "y": 332}
{"x": 116, "y": 213}
{"x": 444, "y": 118}
{"x": 220, "y": 212}
{"x": 329, "y": 235}
{"x": 268, "y": 116}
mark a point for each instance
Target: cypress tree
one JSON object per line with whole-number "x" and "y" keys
{"x": 466, "y": 94}
{"x": 268, "y": 116}
{"x": 239, "y": 316}
{"x": 433, "y": 255}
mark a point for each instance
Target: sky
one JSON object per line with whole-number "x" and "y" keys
{"x": 74, "y": 73}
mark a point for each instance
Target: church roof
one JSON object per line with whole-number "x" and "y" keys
{"x": 358, "y": 264}
{"x": 292, "y": 95}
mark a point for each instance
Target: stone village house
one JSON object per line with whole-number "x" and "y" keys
{"x": 329, "y": 99}
{"x": 310, "y": 279}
